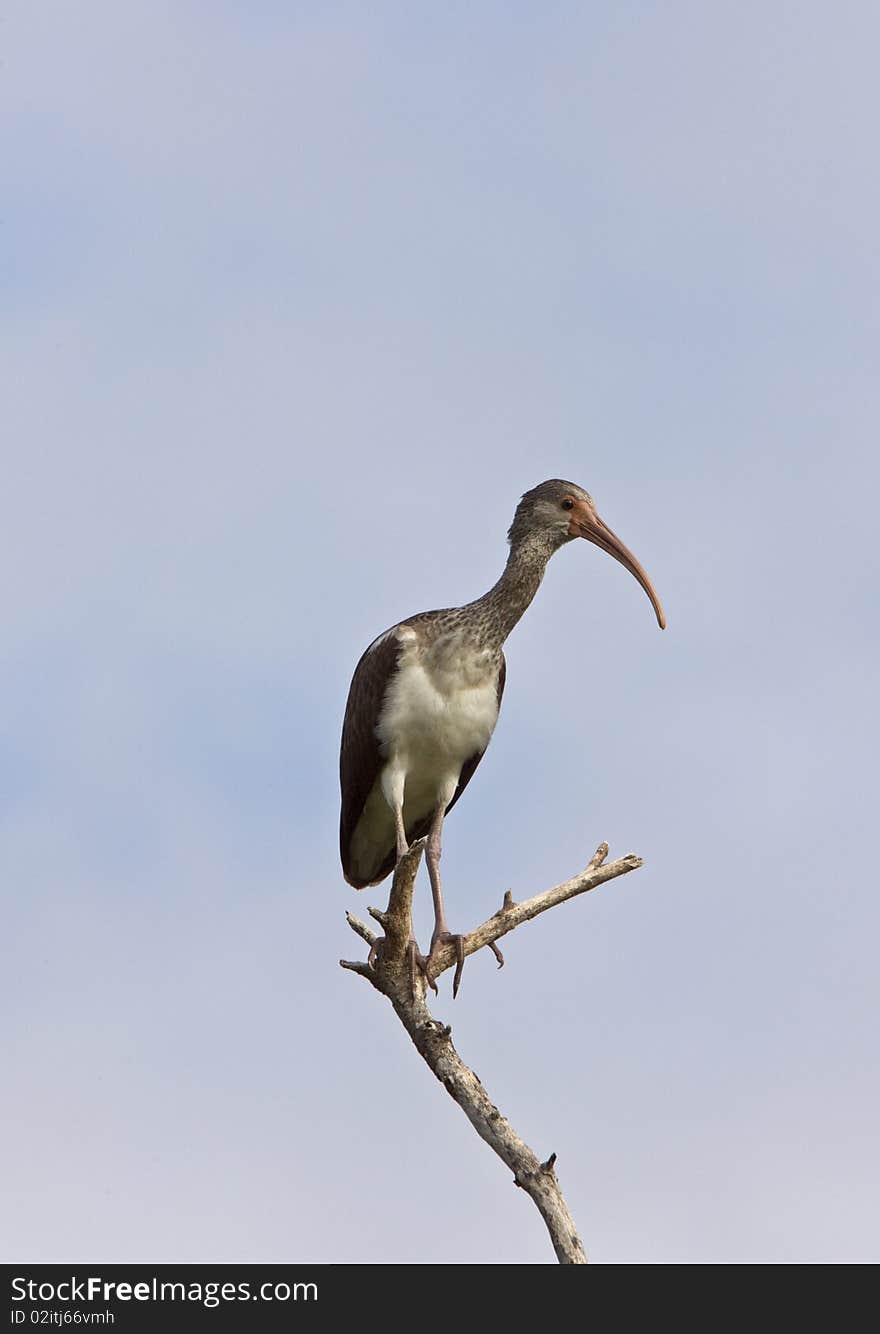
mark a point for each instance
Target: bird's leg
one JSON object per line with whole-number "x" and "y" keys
{"x": 416, "y": 960}
{"x": 400, "y": 831}
{"x": 441, "y": 931}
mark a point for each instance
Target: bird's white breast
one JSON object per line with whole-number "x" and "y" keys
{"x": 440, "y": 709}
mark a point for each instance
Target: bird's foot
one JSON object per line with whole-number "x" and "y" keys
{"x": 417, "y": 962}
{"x": 443, "y": 938}
{"x": 420, "y": 963}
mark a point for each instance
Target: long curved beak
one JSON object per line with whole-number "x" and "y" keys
{"x": 585, "y": 522}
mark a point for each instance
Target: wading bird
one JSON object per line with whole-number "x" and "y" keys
{"x": 424, "y": 701}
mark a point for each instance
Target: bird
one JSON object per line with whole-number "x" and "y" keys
{"x": 424, "y": 700}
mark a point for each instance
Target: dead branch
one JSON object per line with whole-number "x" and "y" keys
{"x": 391, "y": 974}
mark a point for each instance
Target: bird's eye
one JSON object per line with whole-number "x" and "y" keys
{"x": 568, "y": 503}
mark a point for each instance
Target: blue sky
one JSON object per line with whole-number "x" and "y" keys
{"x": 298, "y": 299}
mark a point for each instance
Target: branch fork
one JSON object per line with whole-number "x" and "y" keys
{"x": 391, "y": 973}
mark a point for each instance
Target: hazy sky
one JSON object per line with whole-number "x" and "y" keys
{"x": 299, "y": 299}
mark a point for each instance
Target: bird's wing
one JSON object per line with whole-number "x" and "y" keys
{"x": 469, "y": 766}
{"x": 359, "y": 758}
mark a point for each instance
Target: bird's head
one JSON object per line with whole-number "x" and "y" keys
{"x": 556, "y": 512}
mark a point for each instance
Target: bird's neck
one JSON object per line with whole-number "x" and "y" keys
{"x": 506, "y": 601}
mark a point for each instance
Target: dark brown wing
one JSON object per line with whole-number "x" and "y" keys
{"x": 469, "y": 766}
{"x": 359, "y": 757}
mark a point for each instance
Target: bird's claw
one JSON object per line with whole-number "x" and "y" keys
{"x": 443, "y": 938}
{"x": 419, "y": 963}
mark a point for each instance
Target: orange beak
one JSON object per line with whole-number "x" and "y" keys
{"x": 585, "y": 522}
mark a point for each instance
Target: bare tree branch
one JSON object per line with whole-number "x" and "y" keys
{"x": 394, "y": 975}
{"x": 360, "y": 929}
